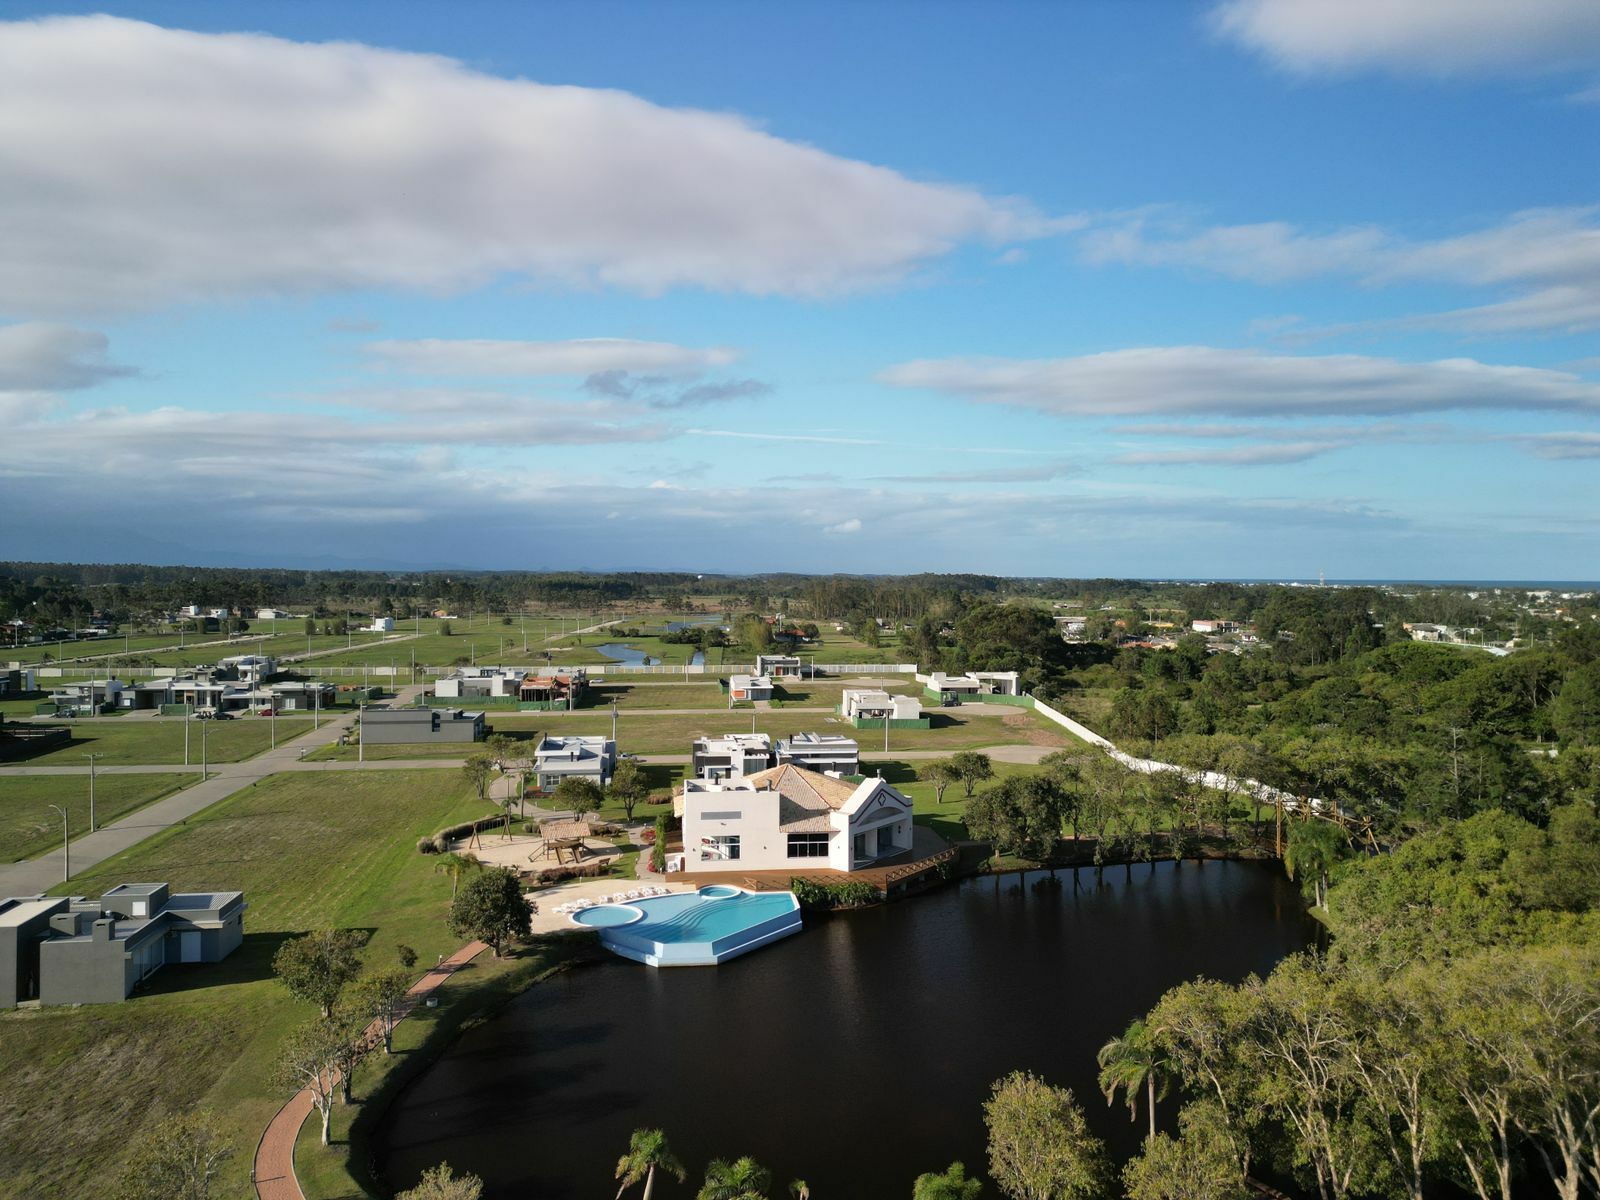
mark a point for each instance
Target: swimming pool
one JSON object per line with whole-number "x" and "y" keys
{"x": 694, "y": 929}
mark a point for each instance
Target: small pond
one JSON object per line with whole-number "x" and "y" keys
{"x": 855, "y": 1055}
{"x": 632, "y": 656}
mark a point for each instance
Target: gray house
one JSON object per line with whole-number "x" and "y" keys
{"x": 573, "y": 756}
{"x": 405, "y": 726}
{"x": 72, "y": 950}
{"x": 828, "y": 753}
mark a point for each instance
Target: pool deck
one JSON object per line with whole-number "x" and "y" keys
{"x": 548, "y": 920}
{"x": 928, "y": 849}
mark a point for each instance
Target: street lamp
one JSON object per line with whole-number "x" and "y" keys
{"x": 66, "y": 851}
{"x": 91, "y": 758}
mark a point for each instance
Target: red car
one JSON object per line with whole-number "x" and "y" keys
{"x": 263, "y": 712}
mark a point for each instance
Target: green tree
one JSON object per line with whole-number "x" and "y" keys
{"x": 491, "y": 909}
{"x": 316, "y": 966}
{"x": 1202, "y": 1163}
{"x": 1313, "y": 848}
{"x": 658, "y": 848}
{"x": 441, "y": 1183}
{"x": 1040, "y": 1147}
{"x": 1130, "y": 1063}
{"x": 972, "y": 769}
{"x": 950, "y": 1184}
{"x": 311, "y": 626}
{"x": 1023, "y": 814}
{"x": 941, "y": 773}
{"x": 741, "y": 1179}
{"x": 445, "y": 629}
{"x": 377, "y": 997}
{"x": 648, "y": 1153}
{"x": 457, "y": 866}
{"x": 628, "y": 786}
{"x": 580, "y": 795}
{"x": 309, "y": 1060}
{"x": 179, "y": 1159}
{"x": 477, "y": 771}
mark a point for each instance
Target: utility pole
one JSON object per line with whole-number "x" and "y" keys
{"x": 91, "y": 758}
{"x": 613, "y": 721}
{"x": 187, "y": 717}
{"x": 66, "y": 845}
{"x": 316, "y": 706}
{"x": 203, "y": 771}
{"x": 272, "y": 719}
{"x": 361, "y": 740}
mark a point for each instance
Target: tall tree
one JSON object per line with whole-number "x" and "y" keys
{"x": 972, "y": 769}
{"x": 941, "y": 773}
{"x": 950, "y": 1184}
{"x": 1202, "y": 1163}
{"x": 457, "y": 865}
{"x": 316, "y": 966}
{"x": 1040, "y": 1147}
{"x": 179, "y": 1159}
{"x": 628, "y": 786}
{"x": 648, "y": 1153}
{"x": 491, "y": 909}
{"x": 1314, "y": 847}
{"x": 309, "y": 1060}
{"x": 441, "y": 1183}
{"x": 1132, "y": 1062}
{"x": 740, "y": 1179}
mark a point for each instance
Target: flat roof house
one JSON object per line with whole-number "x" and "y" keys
{"x": 478, "y": 683}
{"x": 732, "y": 756}
{"x": 832, "y": 753}
{"x": 583, "y": 757}
{"x": 778, "y": 666}
{"x": 73, "y": 950}
{"x": 88, "y": 695}
{"x": 789, "y": 818}
{"x": 866, "y": 704}
{"x": 749, "y": 687}
{"x": 974, "y": 683}
{"x": 408, "y": 726}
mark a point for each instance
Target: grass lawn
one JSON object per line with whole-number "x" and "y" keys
{"x": 20, "y": 708}
{"x": 76, "y": 1086}
{"x": 653, "y": 695}
{"x": 160, "y": 740}
{"x": 645, "y": 733}
{"x": 28, "y": 827}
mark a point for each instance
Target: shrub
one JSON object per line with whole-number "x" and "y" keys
{"x": 425, "y": 845}
{"x": 815, "y": 895}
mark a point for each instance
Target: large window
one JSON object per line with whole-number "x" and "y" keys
{"x": 728, "y": 845}
{"x": 808, "y": 845}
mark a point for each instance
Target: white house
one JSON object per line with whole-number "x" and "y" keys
{"x": 557, "y": 758}
{"x": 749, "y": 687}
{"x": 872, "y": 705}
{"x": 1213, "y": 626}
{"x": 380, "y": 625}
{"x": 270, "y": 614}
{"x": 832, "y": 753}
{"x": 973, "y": 683}
{"x": 778, "y": 666}
{"x": 789, "y": 818}
{"x": 478, "y": 683}
{"x": 732, "y": 756}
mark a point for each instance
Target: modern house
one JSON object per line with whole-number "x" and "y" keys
{"x": 72, "y": 950}
{"x": 832, "y": 753}
{"x": 749, "y": 687}
{"x": 789, "y": 818}
{"x": 271, "y": 614}
{"x": 380, "y": 625}
{"x": 561, "y": 690}
{"x": 953, "y": 689}
{"x": 1206, "y": 625}
{"x": 410, "y": 726}
{"x": 779, "y": 666}
{"x": 866, "y": 705}
{"x": 732, "y": 756}
{"x": 556, "y": 690}
{"x": 563, "y": 757}
{"x": 89, "y": 695}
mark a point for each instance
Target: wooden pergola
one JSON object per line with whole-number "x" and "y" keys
{"x": 564, "y": 841}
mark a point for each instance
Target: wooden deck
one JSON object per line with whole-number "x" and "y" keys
{"x": 928, "y": 853}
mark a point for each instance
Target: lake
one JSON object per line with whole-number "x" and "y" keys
{"x": 632, "y": 656}
{"x": 855, "y": 1055}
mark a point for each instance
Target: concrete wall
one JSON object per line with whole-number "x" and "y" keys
{"x": 84, "y": 972}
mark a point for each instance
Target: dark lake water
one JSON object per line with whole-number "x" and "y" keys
{"x": 855, "y": 1055}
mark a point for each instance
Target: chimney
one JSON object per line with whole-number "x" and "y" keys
{"x": 102, "y": 929}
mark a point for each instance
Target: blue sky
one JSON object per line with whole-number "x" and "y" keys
{"x": 1255, "y": 288}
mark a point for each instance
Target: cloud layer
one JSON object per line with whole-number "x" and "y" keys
{"x": 37, "y": 356}
{"x": 1206, "y": 381}
{"x": 576, "y": 356}
{"x": 142, "y": 166}
{"x": 1435, "y": 37}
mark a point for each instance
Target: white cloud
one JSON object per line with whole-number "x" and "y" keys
{"x": 1206, "y": 381}
{"x": 1234, "y": 456}
{"x": 853, "y": 525}
{"x": 577, "y": 356}
{"x": 1566, "y": 444}
{"x": 1552, "y": 256}
{"x": 147, "y": 166}
{"x": 37, "y": 356}
{"x": 1433, "y": 37}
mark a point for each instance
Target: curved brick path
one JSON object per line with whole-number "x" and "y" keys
{"x": 273, "y": 1174}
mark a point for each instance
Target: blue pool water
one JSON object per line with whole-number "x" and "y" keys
{"x": 699, "y": 928}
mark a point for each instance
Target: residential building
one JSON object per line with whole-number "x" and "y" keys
{"x": 749, "y": 687}
{"x": 478, "y": 683}
{"x": 89, "y": 695}
{"x": 72, "y": 950}
{"x": 1214, "y": 626}
{"x": 779, "y": 666}
{"x": 952, "y": 689}
{"x": 412, "y": 726}
{"x": 1428, "y": 633}
{"x": 561, "y": 690}
{"x": 380, "y": 625}
{"x": 574, "y": 756}
{"x": 271, "y": 614}
{"x": 831, "y": 753}
{"x": 865, "y": 704}
{"x": 732, "y": 756}
{"x": 790, "y": 818}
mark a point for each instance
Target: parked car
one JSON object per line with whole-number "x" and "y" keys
{"x": 263, "y": 712}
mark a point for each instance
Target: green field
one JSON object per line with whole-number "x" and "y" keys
{"x": 160, "y": 740}
{"x": 28, "y": 827}
{"x": 76, "y": 1086}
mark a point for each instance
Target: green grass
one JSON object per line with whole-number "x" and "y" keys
{"x": 76, "y": 1086}
{"x": 28, "y": 827}
{"x": 160, "y": 740}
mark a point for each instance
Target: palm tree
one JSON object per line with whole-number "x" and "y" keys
{"x": 800, "y": 1189}
{"x": 1130, "y": 1062}
{"x": 648, "y": 1153}
{"x": 455, "y": 866}
{"x": 1314, "y": 846}
{"x": 742, "y": 1179}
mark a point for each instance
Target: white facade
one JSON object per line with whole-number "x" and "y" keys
{"x": 557, "y": 758}
{"x": 831, "y": 753}
{"x": 749, "y": 687}
{"x": 467, "y": 683}
{"x": 876, "y": 705}
{"x": 380, "y": 625}
{"x": 778, "y": 665}
{"x": 791, "y": 819}
{"x": 732, "y": 756}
